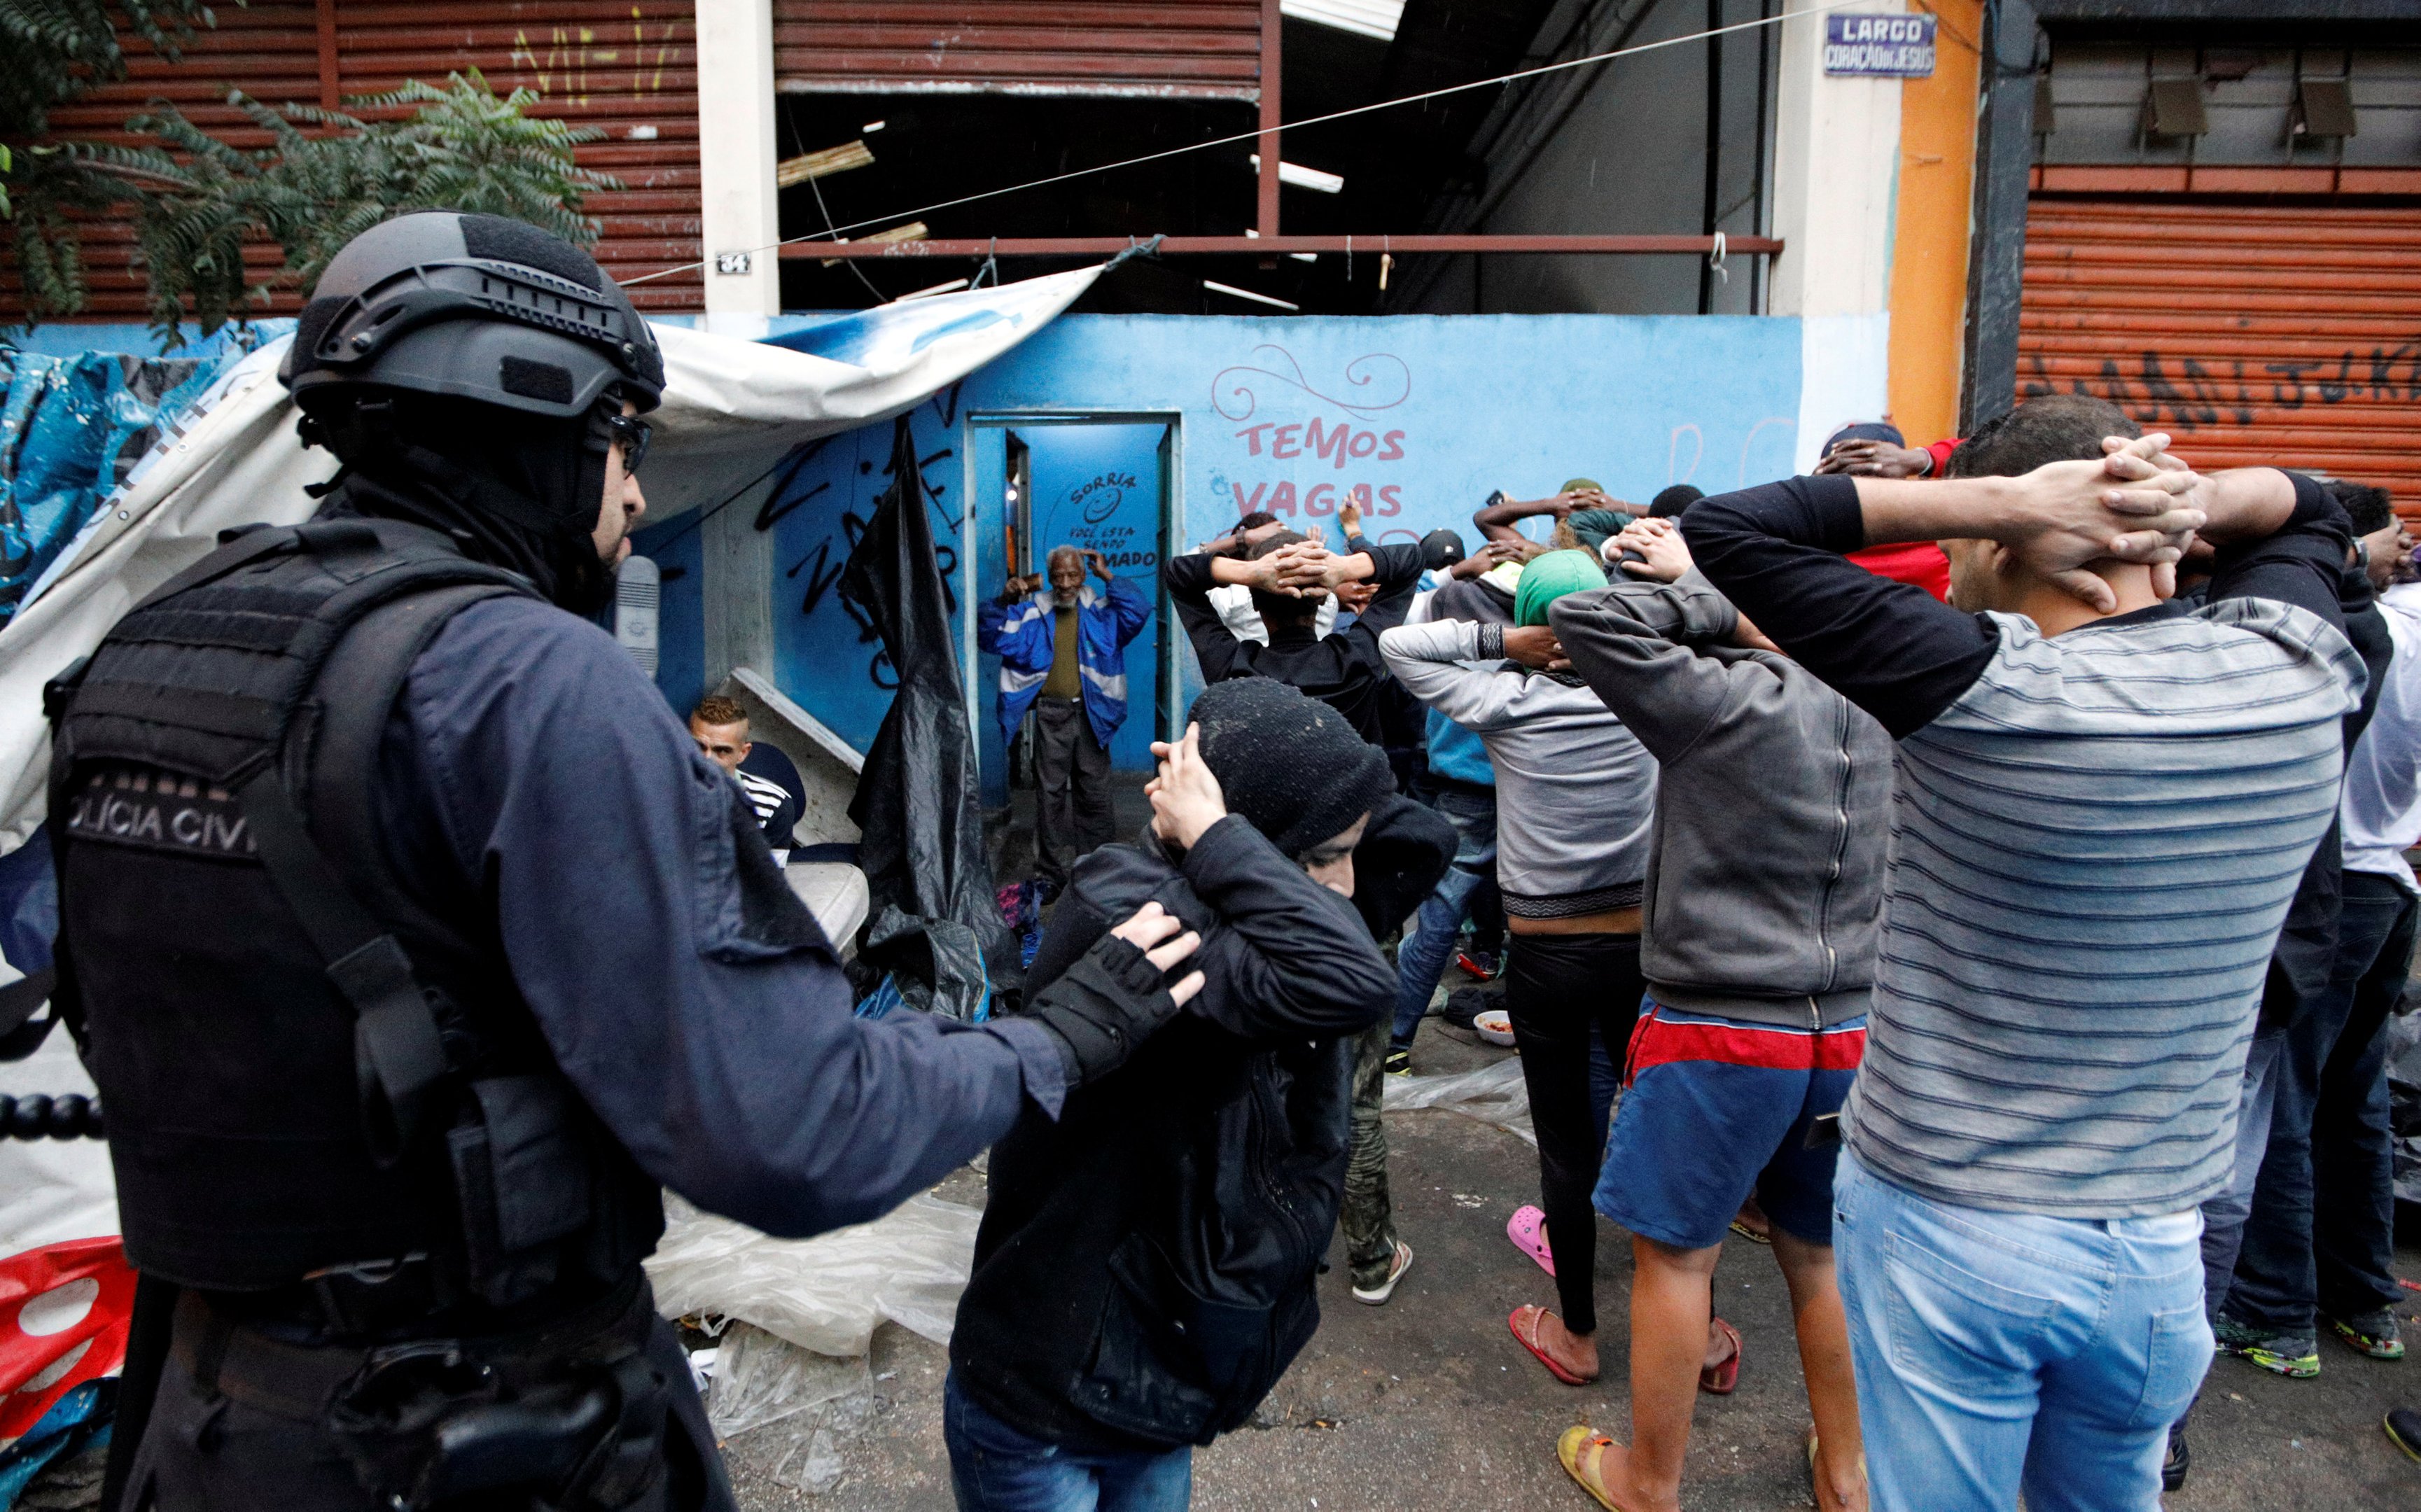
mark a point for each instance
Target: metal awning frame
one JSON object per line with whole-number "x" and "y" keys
{"x": 1272, "y": 247}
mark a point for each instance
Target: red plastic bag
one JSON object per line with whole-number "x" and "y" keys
{"x": 64, "y": 1313}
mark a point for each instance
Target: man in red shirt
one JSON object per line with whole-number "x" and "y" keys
{"x": 1876, "y": 449}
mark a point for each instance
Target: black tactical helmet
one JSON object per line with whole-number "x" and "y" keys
{"x": 479, "y": 307}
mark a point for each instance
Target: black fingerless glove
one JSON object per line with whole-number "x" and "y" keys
{"x": 1101, "y": 1007}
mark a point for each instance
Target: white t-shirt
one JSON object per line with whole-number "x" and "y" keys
{"x": 2381, "y": 809}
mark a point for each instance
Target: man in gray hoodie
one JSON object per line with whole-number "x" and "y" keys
{"x": 1764, "y": 882}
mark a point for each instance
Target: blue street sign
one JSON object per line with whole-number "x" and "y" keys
{"x": 1879, "y": 47}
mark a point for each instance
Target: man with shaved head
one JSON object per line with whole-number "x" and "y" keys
{"x": 1063, "y": 654}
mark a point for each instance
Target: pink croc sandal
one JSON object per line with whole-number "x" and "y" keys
{"x": 1528, "y": 1231}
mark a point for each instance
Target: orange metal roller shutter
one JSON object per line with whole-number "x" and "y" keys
{"x": 1153, "y": 49}
{"x": 2255, "y": 334}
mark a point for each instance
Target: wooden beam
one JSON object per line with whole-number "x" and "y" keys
{"x": 806, "y": 165}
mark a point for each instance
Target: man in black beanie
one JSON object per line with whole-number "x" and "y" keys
{"x": 1147, "y": 1266}
{"x": 1669, "y": 502}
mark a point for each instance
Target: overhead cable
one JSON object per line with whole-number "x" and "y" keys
{"x": 834, "y": 233}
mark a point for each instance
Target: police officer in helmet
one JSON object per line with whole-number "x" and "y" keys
{"x": 414, "y": 946}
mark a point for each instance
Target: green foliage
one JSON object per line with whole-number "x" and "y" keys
{"x": 55, "y": 49}
{"x": 197, "y": 201}
{"x": 50, "y": 52}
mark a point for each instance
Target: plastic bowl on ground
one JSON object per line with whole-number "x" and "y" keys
{"x": 1495, "y": 1026}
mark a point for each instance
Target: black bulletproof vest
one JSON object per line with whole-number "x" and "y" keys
{"x": 306, "y": 1069}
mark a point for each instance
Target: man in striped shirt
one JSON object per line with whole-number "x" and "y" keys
{"x": 775, "y": 794}
{"x": 2103, "y": 805}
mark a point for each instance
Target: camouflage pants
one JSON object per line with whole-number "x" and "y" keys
{"x": 1368, "y": 1224}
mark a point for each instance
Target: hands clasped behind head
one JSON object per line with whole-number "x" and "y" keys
{"x": 2134, "y": 507}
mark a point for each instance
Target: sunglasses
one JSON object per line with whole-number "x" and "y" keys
{"x": 632, "y": 432}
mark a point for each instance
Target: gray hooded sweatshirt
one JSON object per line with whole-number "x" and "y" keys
{"x": 1765, "y": 870}
{"x": 1573, "y": 787}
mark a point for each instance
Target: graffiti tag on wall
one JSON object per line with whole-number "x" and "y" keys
{"x": 2166, "y": 388}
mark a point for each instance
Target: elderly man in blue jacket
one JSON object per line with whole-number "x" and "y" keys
{"x": 1063, "y": 654}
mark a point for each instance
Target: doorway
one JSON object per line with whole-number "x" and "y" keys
{"x": 1102, "y": 483}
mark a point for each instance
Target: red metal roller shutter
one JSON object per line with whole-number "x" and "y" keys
{"x": 1164, "y": 49}
{"x": 626, "y": 66}
{"x": 267, "y": 48}
{"x": 2255, "y": 334}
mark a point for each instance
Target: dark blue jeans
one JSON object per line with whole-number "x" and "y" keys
{"x": 994, "y": 1467}
{"x": 1422, "y": 959}
{"x": 2321, "y": 1236}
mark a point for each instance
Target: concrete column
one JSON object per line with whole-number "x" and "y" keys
{"x": 741, "y": 209}
{"x": 1836, "y": 182}
{"x": 736, "y": 584}
{"x": 1835, "y": 174}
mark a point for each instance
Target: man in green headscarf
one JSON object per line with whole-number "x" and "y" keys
{"x": 1547, "y": 578}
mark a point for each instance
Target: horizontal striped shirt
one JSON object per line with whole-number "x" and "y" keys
{"x": 2091, "y": 851}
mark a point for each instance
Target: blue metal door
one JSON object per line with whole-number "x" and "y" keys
{"x": 1097, "y": 486}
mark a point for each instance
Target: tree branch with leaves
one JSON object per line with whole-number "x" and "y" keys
{"x": 327, "y": 176}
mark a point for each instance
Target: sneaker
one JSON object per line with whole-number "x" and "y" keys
{"x": 2404, "y": 1431}
{"x": 1487, "y": 965}
{"x": 2179, "y": 1459}
{"x": 1399, "y": 1063}
{"x": 1377, "y": 1296}
{"x": 2296, "y": 1357}
{"x": 2373, "y": 1334}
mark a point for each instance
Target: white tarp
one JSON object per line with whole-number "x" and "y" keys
{"x": 732, "y": 409}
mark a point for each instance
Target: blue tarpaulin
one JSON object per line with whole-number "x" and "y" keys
{"x": 71, "y": 428}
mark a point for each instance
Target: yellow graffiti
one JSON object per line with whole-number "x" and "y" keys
{"x": 572, "y": 57}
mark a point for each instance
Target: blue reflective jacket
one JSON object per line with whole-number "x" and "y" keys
{"x": 1019, "y": 634}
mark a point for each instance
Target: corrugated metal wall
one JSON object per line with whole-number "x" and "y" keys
{"x": 625, "y": 66}
{"x": 2255, "y": 334}
{"x": 1160, "y": 48}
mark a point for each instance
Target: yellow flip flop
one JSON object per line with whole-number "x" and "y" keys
{"x": 1578, "y": 1437}
{"x": 1815, "y": 1489}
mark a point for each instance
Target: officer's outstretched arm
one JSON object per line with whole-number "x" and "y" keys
{"x": 541, "y": 769}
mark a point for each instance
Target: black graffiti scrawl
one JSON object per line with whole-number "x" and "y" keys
{"x": 2185, "y": 393}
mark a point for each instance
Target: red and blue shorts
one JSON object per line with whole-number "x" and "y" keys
{"x": 1715, "y": 1108}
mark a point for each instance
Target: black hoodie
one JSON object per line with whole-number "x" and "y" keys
{"x": 1145, "y": 1271}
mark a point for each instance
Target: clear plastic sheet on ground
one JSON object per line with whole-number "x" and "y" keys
{"x": 795, "y": 1406}
{"x": 1493, "y": 1094}
{"x": 826, "y": 1293}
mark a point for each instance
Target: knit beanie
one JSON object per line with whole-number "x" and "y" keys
{"x": 1546, "y": 579}
{"x": 1291, "y": 765}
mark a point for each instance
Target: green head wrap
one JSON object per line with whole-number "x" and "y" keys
{"x": 1580, "y": 484}
{"x": 1546, "y": 579}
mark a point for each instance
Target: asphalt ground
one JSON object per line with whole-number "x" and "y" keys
{"x": 1428, "y": 1403}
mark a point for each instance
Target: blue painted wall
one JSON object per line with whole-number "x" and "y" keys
{"x": 674, "y": 547}
{"x": 1420, "y": 415}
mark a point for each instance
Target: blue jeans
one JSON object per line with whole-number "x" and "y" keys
{"x": 1422, "y": 959}
{"x": 994, "y": 1467}
{"x": 2003, "y": 1352}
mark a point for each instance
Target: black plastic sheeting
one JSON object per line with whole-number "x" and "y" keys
{"x": 933, "y": 921}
